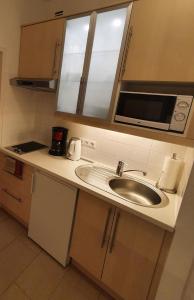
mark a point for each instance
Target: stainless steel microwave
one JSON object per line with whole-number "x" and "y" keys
{"x": 159, "y": 111}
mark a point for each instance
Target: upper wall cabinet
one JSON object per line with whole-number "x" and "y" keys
{"x": 162, "y": 43}
{"x": 91, "y": 62}
{"x": 40, "y": 49}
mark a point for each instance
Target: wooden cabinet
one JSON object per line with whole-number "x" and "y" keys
{"x": 40, "y": 49}
{"x": 91, "y": 66}
{"x": 15, "y": 193}
{"x": 132, "y": 256}
{"x": 119, "y": 249}
{"x": 162, "y": 43}
{"x": 89, "y": 243}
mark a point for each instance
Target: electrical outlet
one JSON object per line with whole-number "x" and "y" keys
{"x": 88, "y": 143}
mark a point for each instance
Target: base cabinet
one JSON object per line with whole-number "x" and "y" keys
{"x": 89, "y": 242}
{"x": 132, "y": 256}
{"x": 15, "y": 193}
{"x": 117, "y": 248}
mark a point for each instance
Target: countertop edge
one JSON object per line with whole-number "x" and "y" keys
{"x": 91, "y": 190}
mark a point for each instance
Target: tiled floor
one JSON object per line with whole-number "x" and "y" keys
{"x": 27, "y": 272}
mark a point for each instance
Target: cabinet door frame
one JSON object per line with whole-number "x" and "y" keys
{"x": 115, "y": 247}
{"x": 28, "y": 32}
{"x": 93, "y": 234}
{"x": 87, "y": 59}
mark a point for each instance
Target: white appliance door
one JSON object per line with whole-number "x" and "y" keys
{"x": 51, "y": 216}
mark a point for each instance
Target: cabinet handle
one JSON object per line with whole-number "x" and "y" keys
{"x": 54, "y": 69}
{"x": 80, "y": 96}
{"x": 106, "y": 227}
{"x": 8, "y": 193}
{"x": 32, "y": 184}
{"x": 114, "y": 232}
{"x": 128, "y": 41}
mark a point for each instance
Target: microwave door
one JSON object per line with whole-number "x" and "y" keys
{"x": 158, "y": 125}
{"x": 149, "y": 110}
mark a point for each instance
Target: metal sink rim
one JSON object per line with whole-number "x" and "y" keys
{"x": 164, "y": 199}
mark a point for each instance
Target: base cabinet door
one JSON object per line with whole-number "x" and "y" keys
{"x": 15, "y": 193}
{"x": 132, "y": 255}
{"x": 90, "y": 235}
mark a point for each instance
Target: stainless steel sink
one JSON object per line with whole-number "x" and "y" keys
{"x": 138, "y": 192}
{"x": 130, "y": 189}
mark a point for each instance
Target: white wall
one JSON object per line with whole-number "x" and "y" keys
{"x": 17, "y": 105}
{"x": 177, "y": 281}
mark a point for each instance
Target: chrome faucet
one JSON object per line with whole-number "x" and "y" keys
{"x": 120, "y": 169}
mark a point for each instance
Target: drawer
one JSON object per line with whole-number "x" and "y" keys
{"x": 15, "y": 193}
{"x": 16, "y": 204}
{"x": 11, "y": 182}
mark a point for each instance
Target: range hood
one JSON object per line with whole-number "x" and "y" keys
{"x": 45, "y": 85}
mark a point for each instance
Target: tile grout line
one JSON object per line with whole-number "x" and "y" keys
{"x": 15, "y": 279}
{"x": 6, "y": 246}
{"x": 23, "y": 291}
{"x": 49, "y": 298}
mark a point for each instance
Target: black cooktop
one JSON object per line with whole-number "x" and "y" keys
{"x": 26, "y": 147}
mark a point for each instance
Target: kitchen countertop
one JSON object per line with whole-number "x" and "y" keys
{"x": 64, "y": 169}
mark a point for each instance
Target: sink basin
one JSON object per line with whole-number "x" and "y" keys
{"x": 138, "y": 192}
{"x": 130, "y": 189}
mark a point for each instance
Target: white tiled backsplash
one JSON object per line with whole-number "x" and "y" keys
{"x": 137, "y": 152}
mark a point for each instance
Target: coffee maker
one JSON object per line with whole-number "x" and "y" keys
{"x": 59, "y": 141}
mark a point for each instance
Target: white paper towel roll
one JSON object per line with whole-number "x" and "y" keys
{"x": 170, "y": 173}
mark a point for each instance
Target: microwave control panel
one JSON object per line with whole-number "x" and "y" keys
{"x": 181, "y": 113}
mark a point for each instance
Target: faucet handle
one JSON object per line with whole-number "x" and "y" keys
{"x": 120, "y": 168}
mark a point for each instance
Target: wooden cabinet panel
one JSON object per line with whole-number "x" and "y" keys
{"x": 40, "y": 49}
{"x": 129, "y": 267}
{"x": 15, "y": 193}
{"x": 162, "y": 45}
{"x": 17, "y": 205}
{"x": 126, "y": 263}
{"x": 91, "y": 219}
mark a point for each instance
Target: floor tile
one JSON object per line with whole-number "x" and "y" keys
{"x": 3, "y": 215}
{"x": 13, "y": 293}
{"x": 29, "y": 273}
{"x": 29, "y": 243}
{"x": 15, "y": 227}
{"x": 13, "y": 260}
{"x": 104, "y": 297}
{"x": 9, "y": 230}
{"x": 41, "y": 278}
{"x": 75, "y": 286}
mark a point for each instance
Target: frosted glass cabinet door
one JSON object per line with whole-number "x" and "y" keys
{"x": 72, "y": 64}
{"x": 104, "y": 60}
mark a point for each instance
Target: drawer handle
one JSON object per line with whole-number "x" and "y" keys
{"x": 12, "y": 196}
{"x": 114, "y": 232}
{"x": 106, "y": 227}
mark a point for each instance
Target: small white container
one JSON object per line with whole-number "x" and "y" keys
{"x": 170, "y": 174}
{"x": 74, "y": 149}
